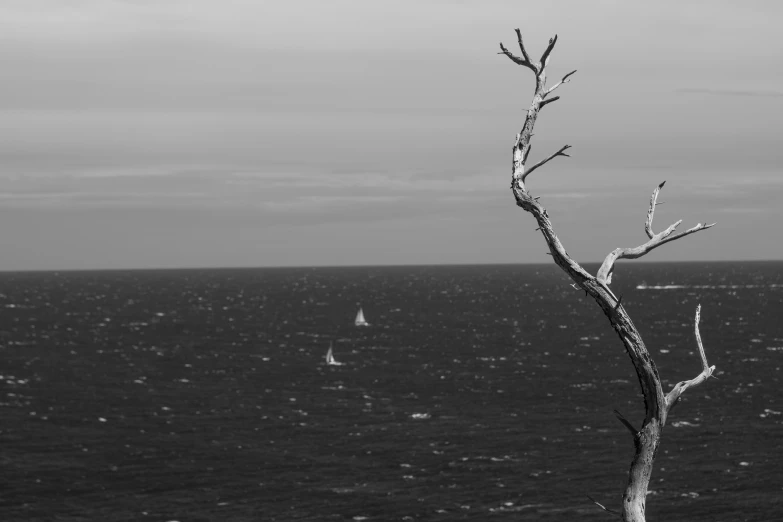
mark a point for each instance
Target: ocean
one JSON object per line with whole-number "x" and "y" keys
{"x": 476, "y": 393}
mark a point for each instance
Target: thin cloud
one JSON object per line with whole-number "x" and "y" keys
{"x": 403, "y": 182}
{"x": 746, "y": 210}
{"x": 569, "y": 195}
{"x": 362, "y": 209}
{"x": 446, "y": 174}
{"x": 105, "y": 199}
{"x": 760, "y": 93}
{"x": 39, "y": 198}
{"x": 312, "y": 204}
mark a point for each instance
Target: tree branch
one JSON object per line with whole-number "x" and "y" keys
{"x": 522, "y": 46}
{"x": 613, "y": 512}
{"x": 561, "y": 82}
{"x": 647, "y": 438}
{"x": 706, "y": 372}
{"x": 550, "y": 100}
{"x": 645, "y": 368}
{"x": 556, "y": 154}
{"x": 607, "y": 267}
{"x": 651, "y": 211}
{"x": 545, "y": 56}
{"x": 626, "y": 423}
{"x": 527, "y": 153}
{"x": 517, "y": 60}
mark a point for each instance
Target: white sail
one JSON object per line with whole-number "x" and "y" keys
{"x": 360, "y": 321}
{"x": 330, "y": 360}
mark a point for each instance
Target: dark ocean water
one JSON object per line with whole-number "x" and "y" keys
{"x": 477, "y": 393}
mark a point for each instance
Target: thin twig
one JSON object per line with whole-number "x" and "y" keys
{"x": 561, "y": 152}
{"x": 651, "y": 211}
{"x": 545, "y": 56}
{"x": 522, "y": 46}
{"x": 604, "y": 507}
{"x": 626, "y": 423}
{"x": 705, "y": 366}
{"x": 561, "y": 82}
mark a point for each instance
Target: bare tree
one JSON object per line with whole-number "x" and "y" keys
{"x": 657, "y": 403}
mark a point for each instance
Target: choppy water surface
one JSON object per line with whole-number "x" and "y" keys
{"x": 477, "y": 393}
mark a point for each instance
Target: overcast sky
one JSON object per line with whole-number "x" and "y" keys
{"x": 185, "y": 133}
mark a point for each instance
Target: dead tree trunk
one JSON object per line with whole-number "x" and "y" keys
{"x": 657, "y": 403}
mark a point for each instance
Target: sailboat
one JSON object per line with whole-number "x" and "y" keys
{"x": 330, "y": 360}
{"x": 360, "y": 319}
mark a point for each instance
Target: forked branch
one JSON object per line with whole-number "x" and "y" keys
{"x": 607, "y": 267}
{"x": 522, "y": 144}
{"x": 537, "y": 68}
{"x": 706, "y": 372}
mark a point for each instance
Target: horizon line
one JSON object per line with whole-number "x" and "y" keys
{"x": 400, "y": 265}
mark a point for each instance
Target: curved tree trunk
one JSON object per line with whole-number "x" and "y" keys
{"x": 657, "y": 404}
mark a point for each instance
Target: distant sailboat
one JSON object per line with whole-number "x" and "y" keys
{"x": 360, "y": 319}
{"x": 330, "y": 360}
